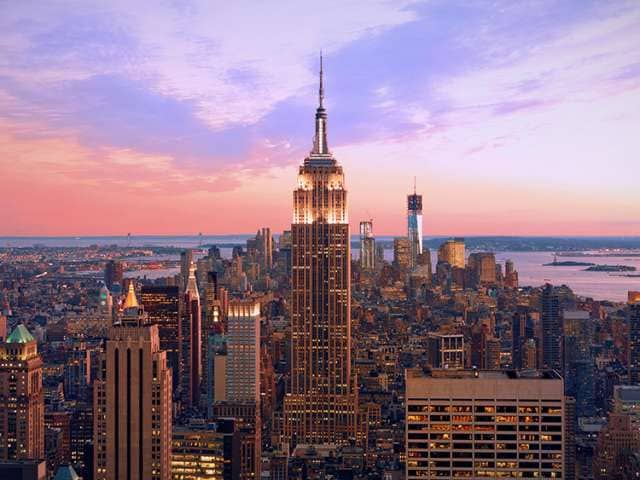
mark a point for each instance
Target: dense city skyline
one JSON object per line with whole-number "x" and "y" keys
{"x": 510, "y": 116}
{"x": 297, "y": 353}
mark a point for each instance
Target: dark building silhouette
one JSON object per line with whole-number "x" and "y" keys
{"x": 113, "y": 274}
{"x": 162, "y": 305}
{"x": 633, "y": 360}
{"x": 551, "y": 329}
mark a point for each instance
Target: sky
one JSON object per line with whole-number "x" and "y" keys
{"x": 515, "y": 118}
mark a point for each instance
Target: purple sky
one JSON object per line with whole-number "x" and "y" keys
{"x": 179, "y": 117}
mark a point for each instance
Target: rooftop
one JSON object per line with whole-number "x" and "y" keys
{"x": 576, "y": 315}
{"x": 66, "y": 472}
{"x": 484, "y": 374}
{"x": 20, "y": 335}
{"x": 627, "y": 393}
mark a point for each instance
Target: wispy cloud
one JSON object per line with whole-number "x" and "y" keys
{"x": 176, "y": 101}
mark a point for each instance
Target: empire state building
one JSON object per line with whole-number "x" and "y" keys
{"x": 321, "y": 405}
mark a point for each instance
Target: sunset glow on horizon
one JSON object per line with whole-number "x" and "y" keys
{"x": 516, "y": 118}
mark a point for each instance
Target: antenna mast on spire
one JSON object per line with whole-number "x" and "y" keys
{"x": 321, "y": 91}
{"x": 320, "y": 139}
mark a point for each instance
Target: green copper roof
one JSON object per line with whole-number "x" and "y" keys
{"x": 20, "y": 335}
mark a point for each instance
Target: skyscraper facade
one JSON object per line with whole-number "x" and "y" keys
{"x": 186, "y": 261}
{"x": 265, "y": 248}
{"x": 321, "y": 404}
{"x": 401, "y": 253}
{"x": 190, "y": 343}
{"x": 21, "y": 398}
{"x": 113, "y": 274}
{"x": 132, "y": 407}
{"x": 482, "y": 269}
{"x": 414, "y": 226}
{"x": 367, "y": 246}
{"x": 551, "y": 329}
{"x": 161, "y": 303}
{"x": 199, "y": 453}
{"x": 578, "y": 360}
{"x": 452, "y": 252}
{"x": 484, "y": 424}
{"x": 243, "y": 351}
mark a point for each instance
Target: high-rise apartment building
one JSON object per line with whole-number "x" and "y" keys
{"x": 113, "y": 275}
{"x": 510, "y": 275}
{"x": 321, "y": 405}
{"x": 264, "y": 242}
{"x": 551, "y": 329}
{"x": 401, "y": 253}
{"x": 414, "y": 226}
{"x": 579, "y": 378}
{"x": 482, "y": 268}
{"x": 190, "y": 344}
{"x": 186, "y": 262}
{"x": 484, "y": 424}
{"x": 633, "y": 360}
{"x": 77, "y": 373}
{"x": 243, "y": 351}
{"x": 21, "y": 398}
{"x": 213, "y": 326}
{"x": 132, "y": 407}
{"x": 216, "y": 366}
{"x": 367, "y": 246}
{"x": 162, "y": 305}
{"x": 518, "y": 335}
{"x": 452, "y": 252}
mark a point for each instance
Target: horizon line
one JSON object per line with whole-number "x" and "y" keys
{"x": 196, "y": 235}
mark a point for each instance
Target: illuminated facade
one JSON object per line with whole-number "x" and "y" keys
{"x": 21, "y": 398}
{"x": 401, "y": 253}
{"x": 452, "y": 252}
{"x": 243, "y": 351}
{"x": 161, "y": 303}
{"x": 132, "y": 407}
{"x": 367, "y": 246}
{"x": 197, "y": 454}
{"x": 484, "y": 424}
{"x": 321, "y": 405}
{"x": 414, "y": 226}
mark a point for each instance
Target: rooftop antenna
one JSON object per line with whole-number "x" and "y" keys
{"x": 321, "y": 90}
{"x": 414, "y": 185}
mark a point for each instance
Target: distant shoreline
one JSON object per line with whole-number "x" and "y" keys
{"x": 562, "y": 246}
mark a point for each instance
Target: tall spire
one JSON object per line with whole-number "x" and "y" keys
{"x": 320, "y": 146}
{"x": 131, "y": 301}
{"x": 321, "y": 90}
